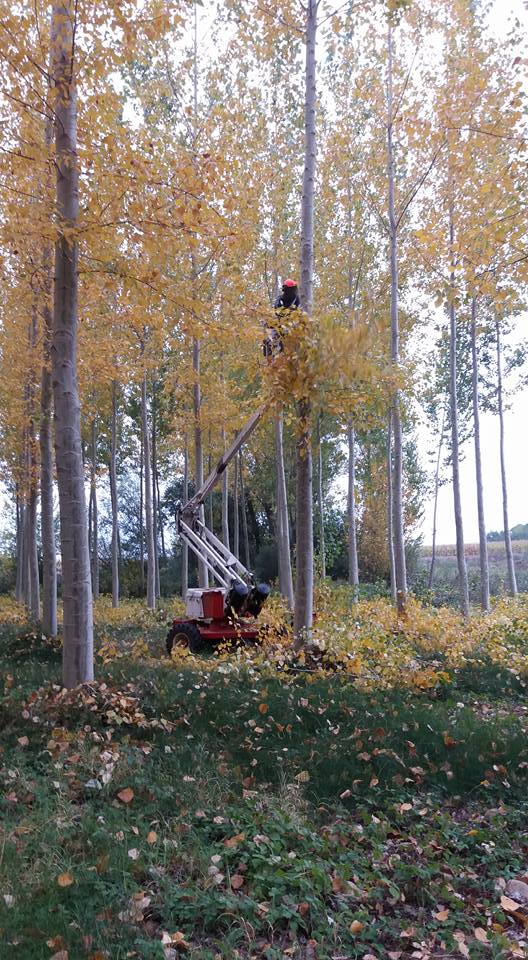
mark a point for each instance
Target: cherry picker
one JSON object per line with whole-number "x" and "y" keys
{"x": 228, "y": 611}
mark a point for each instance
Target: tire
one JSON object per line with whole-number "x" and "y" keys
{"x": 185, "y": 635}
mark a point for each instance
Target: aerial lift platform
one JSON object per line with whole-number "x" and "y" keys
{"x": 229, "y": 611}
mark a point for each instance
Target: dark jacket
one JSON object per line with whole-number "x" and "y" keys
{"x": 289, "y": 299}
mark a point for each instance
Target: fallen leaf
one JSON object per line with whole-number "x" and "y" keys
{"x": 481, "y": 934}
{"x": 23, "y": 741}
{"x": 152, "y": 836}
{"x": 237, "y": 881}
{"x": 126, "y": 795}
{"x": 356, "y": 926}
{"x": 263, "y": 708}
{"x": 441, "y": 915}
{"x": 232, "y": 841}
{"x": 65, "y": 880}
{"x": 133, "y": 853}
{"x": 302, "y": 777}
{"x": 61, "y": 955}
{"x": 303, "y": 908}
{"x": 510, "y": 905}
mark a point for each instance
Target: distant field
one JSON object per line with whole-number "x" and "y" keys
{"x": 495, "y": 547}
{"x": 446, "y": 576}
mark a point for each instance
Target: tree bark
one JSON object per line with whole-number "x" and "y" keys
{"x": 185, "y": 548}
{"x": 149, "y": 525}
{"x": 20, "y": 509}
{"x": 455, "y": 454}
{"x": 398, "y": 539}
{"x": 320, "y": 500}
{"x": 435, "y": 509}
{"x": 113, "y": 500}
{"x": 76, "y": 583}
{"x": 483, "y": 543}
{"x": 245, "y": 533}
{"x": 155, "y": 497}
{"x": 512, "y": 580}
{"x": 353, "y": 567}
{"x": 303, "y": 615}
{"x": 95, "y": 515}
{"x": 390, "y": 514}
{"x": 283, "y": 521}
{"x": 141, "y": 527}
{"x": 236, "y": 508}
{"x": 225, "y": 500}
{"x": 203, "y": 576}
{"x": 49, "y": 553}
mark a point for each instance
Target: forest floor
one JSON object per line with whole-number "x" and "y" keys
{"x": 226, "y": 808}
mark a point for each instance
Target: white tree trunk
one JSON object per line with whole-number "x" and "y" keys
{"x": 483, "y": 543}
{"x": 512, "y": 580}
{"x": 236, "y": 507}
{"x": 390, "y": 514}
{"x": 455, "y": 455}
{"x": 185, "y": 548}
{"x": 225, "y": 500}
{"x": 155, "y": 505}
{"x": 49, "y": 553}
{"x": 398, "y": 539}
{"x": 245, "y": 532}
{"x": 203, "y": 576}
{"x": 436, "y": 491}
{"x": 113, "y": 500}
{"x": 303, "y": 614}
{"x": 95, "y": 515}
{"x": 283, "y": 521}
{"x": 320, "y": 501}
{"x": 353, "y": 567}
{"x": 20, "y": 510}
{"x": 149, "y": 525}
{"x": 76, "y": 583}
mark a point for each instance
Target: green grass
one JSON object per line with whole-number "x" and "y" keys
{"x": 268, "y": 814}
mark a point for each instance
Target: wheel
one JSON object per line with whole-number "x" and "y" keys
{"x": 184, "y": 635}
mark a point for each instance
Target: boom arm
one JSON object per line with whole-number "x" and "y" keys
{"x": 223, "y": 564}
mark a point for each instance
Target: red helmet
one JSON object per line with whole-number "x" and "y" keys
{"x": 289, "y": 283}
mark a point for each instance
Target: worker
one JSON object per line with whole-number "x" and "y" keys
{"x": 289, "y": 298}
{"x": 286, "y": 301}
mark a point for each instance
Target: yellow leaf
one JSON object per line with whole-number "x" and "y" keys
{"x": 441, "y": 915}
{"x": 510, "y": 905}
{"x": 126, "y": 795}
{"x": 356, "y": 926}
{"x": 152, "y": 836}
{"x": 65, "y": 880}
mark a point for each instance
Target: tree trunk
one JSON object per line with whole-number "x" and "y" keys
{"x": 435, "y": 509}
{"x": 113, "y": 499}
{"x": 203, "y": 576}
{"x": 512, "y": 580}
{"x": 20, "y": 510}
{"x": 49, "y": 553}
{"x": 320, "y": 500}
{"x": 76, "y": 583}
{"x": 398, "y": 539}
{"x": 353, "y": 567}
{"x": 236, "y": 510}
{"x": 149, "y": 525}
{"x": 155, "y": 497}
{"x": 185, "y": 548}
{"x": 225, "y": 500}
{"x": 483, "y": 543}
{"x": 33, "y": 604}
{"x": 283, "y": 521}
{"x": 160, "y": 519}
{"x": 390, "y": 514}
{"x": 455, "y": 455}
{"x": 304, "y": 505}
{"x": 245, "y": 534}
{"x": 141, "y": 528}
{"x": 95, "y": 516}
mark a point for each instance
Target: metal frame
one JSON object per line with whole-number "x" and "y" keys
{"x": 225, "y": 567}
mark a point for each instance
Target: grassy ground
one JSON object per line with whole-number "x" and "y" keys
{"x": 223, "y": 809}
